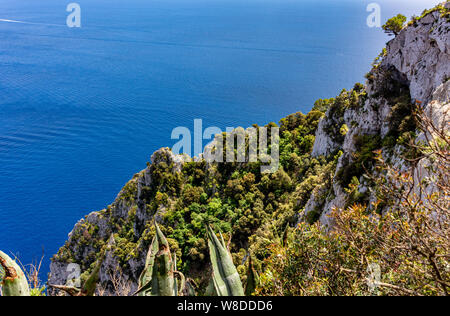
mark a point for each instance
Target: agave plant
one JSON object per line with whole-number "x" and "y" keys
{"x": 14, "y": 281}
{"x": 225, "y": 278}
{"x": 159, "y": 277}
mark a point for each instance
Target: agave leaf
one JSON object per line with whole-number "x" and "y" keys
{"x": 252, "y": 279}
{"x": 190, "y": 287}
{"x": 14, "y": 281}
{"x": 159, "y": 271}
{"x": 145, "y": 280}
{"x": 211, "y": 289}
{"x": 174, "y": 269}
{"x": 179, "y": 291}
{"x": 226, "y": 279}
{"x": 164, "y": 272}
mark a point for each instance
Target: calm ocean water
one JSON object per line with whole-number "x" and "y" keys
{"x": 81, "y": 110}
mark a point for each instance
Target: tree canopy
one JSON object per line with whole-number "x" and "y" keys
{"x": 394, "y": 25}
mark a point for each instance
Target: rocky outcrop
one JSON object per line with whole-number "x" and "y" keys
{"x": 416, "y": 62}
{"x": 422, "y": 53}
{"x": 85, "y": 240}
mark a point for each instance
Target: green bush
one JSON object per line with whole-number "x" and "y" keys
{"x": 362, "y": 159}
{"x": 394, "y": 25}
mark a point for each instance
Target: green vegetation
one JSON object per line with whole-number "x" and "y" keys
{"x": 362, "y": 159}
{"x": 394, "y": 25}
{"x": 401, "y": 252}
{"x": 353, "y": 99}
{"x": 445, "y": 12}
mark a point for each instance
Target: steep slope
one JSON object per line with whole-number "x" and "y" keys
{"x": 323, "y": 157}
{"x": 414, "y": 70}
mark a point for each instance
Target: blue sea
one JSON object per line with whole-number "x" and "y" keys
{"x": 82, "y": 109}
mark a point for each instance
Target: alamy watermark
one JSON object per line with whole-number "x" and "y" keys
{"x": 374, "y": 276}
{"x": 74, "y": 275}
{"x": 374, "y": 18}
{"x": 254, "y": 144}
{"x": 74, "y": 18}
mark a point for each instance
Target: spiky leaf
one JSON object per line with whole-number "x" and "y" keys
{"x": 225, "y": 277}
{"x": 145, "y": 279}
{"x": 252, "y": 279}
{"x": 160, "y": 268}
{"x": 190, "y": 287}
{"x": 14, "y": 280}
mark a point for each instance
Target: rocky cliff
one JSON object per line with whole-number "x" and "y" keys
{"x": 415, "y": 66}
{"x": 324, "y": 156}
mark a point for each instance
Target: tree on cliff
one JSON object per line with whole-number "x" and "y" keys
{"x": 394, "y": 25}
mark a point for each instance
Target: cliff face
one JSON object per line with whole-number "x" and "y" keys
{"x": 416, "y": 64}
{"x": 414, "y": 69}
